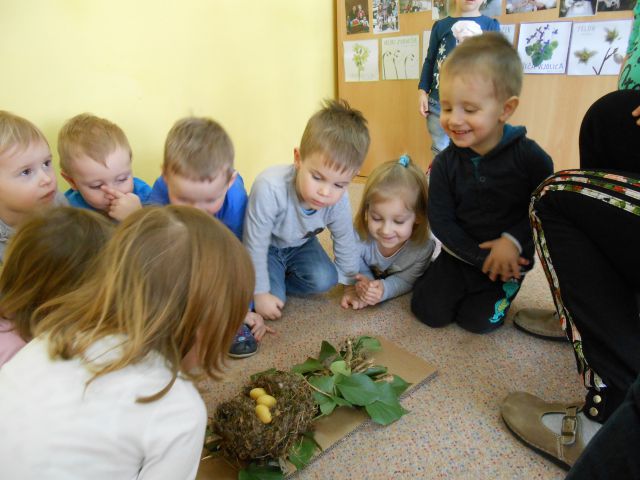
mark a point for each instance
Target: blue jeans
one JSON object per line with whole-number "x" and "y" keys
{"x": 302, "y": 270}
{"x": 439, "y": 139}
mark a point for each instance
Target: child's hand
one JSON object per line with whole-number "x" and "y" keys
{"x": 423, "y": 103}
{"x": 122, "y": 204}
{"x": 369, "y": 291}
{"x": 256, "y": 323}
{"x": 268, "y": 306}
{"x": 504, "y": 260}
{"x": 350, "y": 299}
{"x": 636, "y": 113}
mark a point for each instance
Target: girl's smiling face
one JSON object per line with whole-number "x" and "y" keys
{"x": 390, "y": 224}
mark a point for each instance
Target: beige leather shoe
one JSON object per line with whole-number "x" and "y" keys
{"x": 539, "y": 322}
{"x": 523, "y": 412}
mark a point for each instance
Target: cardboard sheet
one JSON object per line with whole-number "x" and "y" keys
{"x": 343, "y": 421}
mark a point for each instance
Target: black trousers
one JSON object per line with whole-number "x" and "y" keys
{"x": 587, "y": 230}
{"x": 613, "y": 452}
{"x": 451, "y": 290}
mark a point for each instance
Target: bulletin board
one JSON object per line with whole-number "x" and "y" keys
{"x": 551, "y": 106}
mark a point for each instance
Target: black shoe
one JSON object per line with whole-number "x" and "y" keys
{"x": 244, "y": 344}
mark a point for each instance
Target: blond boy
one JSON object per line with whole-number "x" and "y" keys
{"x": 198, "y": 171}
{"x": 27, "y": 178}
{"x": 290, "y": 204}
{"x": 95, "y": 159}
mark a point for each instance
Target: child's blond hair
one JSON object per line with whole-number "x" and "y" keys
{"x": 198, "y": 149}
{"x": 339, "y": 133}
{"x": 169, "y": 276}
{"x": 396, "y": 179}
{"x": 488, "y": 54}
{"x": 17, "y": 134}
{"x": 46, "y": 258}
{"x": 92, "y": 136}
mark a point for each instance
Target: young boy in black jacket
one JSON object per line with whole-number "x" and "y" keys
{"x": 479, "y": 191}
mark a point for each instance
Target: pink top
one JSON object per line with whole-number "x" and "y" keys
{"x": 10, "y": 341}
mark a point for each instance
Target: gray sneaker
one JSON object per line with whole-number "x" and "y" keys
{"x": 540, "y": 323}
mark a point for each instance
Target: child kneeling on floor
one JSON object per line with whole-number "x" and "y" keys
{"x": 393, "y": 234}
{"x": 105, "y": 390}
{"x": 479, "y": 191}
{"x": 47, "y": 257}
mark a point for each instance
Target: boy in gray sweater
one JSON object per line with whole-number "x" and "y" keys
{"x": 290, "y": 205}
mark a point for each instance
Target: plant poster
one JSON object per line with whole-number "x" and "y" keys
{"x": 598, "y": 48}
{"x": 361, "y": 61}
{"x": 543, "y": 47}
{"x": 401, "y": 58}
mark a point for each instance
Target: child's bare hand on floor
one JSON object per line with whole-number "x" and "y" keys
{"x": 268, "y": 306}
{"x": 503, "y": 261}
{"x": 369, "y": 291}
{"x": 350, "y": 299}
{"x": 256, "y": 323}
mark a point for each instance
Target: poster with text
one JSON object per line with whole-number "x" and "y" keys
{"x": 577, "y": 8}
{"x": 357, "y": 16}
{"x": 426, "y": 35}
{"x": 361, "y": 61}
{"x": 615, "y": 5}
{"x": 598, "y": 48}
{"x": 509, "y": 31}
{"x": 543, "y": 47}
{"x": 529, "y": 6}
{"x": 491, "y": 8}
{"x": 414, "y": 6}
{"x": 439, "y": 9}
{"x": 400, "y": 57}
{"x": 385, "y": 16}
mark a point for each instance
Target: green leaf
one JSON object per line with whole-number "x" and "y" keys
{"x": 326, "y": 408}
{"x": 399, "y": 385}
{"x": 311, "y": 365}
{"x": 323, "y": 382}
{"x": 386, "y": 394}
{"x": 384, "y": 414}
{"x": 358, "y": 389}
{"x": 326, "y": 351}
{"x": 368, "y": 343}
{"x": 375, "y": 371}
{"x": 256, "y": 472}
{"x": 340, "y": 367}
{"x": 301, "y": 452}
{"x": 265, "y": 372}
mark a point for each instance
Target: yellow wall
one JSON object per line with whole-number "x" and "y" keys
{"x": 259, "y": 67}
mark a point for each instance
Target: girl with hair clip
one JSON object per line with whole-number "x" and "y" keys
{"x": 395, "y": 248}
{"x": 106, "y": 390}
{"x": 46, "y": 258}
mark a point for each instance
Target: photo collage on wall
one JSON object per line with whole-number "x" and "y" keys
{"x": 553, "y": 47}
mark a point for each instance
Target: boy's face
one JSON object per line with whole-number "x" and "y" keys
{"x": 465, "y": 7}
{"x": 471, "y": 114}
{"x": 205, "y": 195}
{"x": 91, "y": 178}
{"x": 318, "y": 185}
{"x": 27, "y": 182}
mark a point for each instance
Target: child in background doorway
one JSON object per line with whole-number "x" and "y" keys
{"x": 27, "y": 178}
{"x": 479, "y": 191}
{"x": 46, "y": 258}
{"x": 446, "y": 33}
{"x": 95, "y": 159}
{"x": 197, "y": 170}
{"x": 394, "y": 241}
{"x": 109, "y": 375}
{"x": 290, "y": 205}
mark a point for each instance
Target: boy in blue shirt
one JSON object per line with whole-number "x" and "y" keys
{"x": 95, "y": 159}
{"x": 445, "y": 35}
{"x": 198, "y": 171}
{"x": 479, "y": 191}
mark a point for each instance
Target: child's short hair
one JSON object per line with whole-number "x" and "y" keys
{"x": 17, "y": 133}
{"x": 46, "y": 258}
{"x": 199, "y": 149}
{"x": 338, "y": 132}
{"x": 490, "y": 54}
{"x": 396, "y": 179}
{"x": 167, "y": 276}
{"x": 86, "y": 134}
